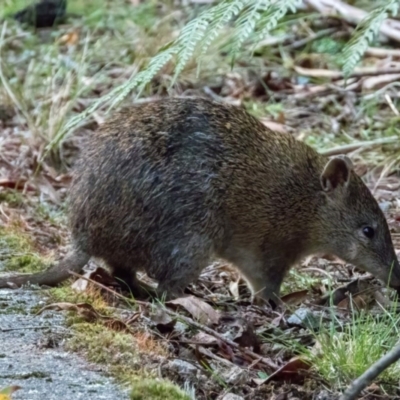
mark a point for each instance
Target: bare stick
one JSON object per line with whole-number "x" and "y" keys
{"x": 318, "y": 35}
{"x": 348, "y": 148}
{"x": 113, "y": 292}
{"x": 22, "y": 328}
{"x": 353, "y": 15}
{"x": 371, "y": 373}
{"x": 336, "y": 75}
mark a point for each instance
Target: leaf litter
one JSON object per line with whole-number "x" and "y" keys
{"x": 217, "y": 337}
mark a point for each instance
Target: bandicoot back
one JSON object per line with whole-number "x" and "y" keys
{"x": 169, "y": 185}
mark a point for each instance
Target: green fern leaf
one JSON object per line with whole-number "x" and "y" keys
{"x": 198, "y": 34}
{"x": 270, "y": 18}
{"x": 141, "y": 79}
{"x": 364, "y": 34}
{"x": 246, "y": 24}
{"x": 188, "y": 40}
{"x": 223, "y": 14}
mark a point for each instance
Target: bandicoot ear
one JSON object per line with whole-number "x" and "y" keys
{"x": 336, "y": 173}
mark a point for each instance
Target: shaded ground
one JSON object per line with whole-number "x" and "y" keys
{"x": 32, "y": 355}
{"x": 217, "y": 342}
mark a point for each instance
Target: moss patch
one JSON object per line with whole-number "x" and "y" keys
{"x": 66, "y": 294}
{"x": 125, "y": 355}
{"x": 17, "y": 252}
{"x": 157, "y": 390}
{"x": 13, "y": 198}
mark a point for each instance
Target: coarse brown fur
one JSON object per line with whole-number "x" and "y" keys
{"x": 166, "y": 186}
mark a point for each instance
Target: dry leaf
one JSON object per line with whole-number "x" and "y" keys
{"x": 69, "y": 39}
{"x": 293, "y": 372}
{"x": 295, "y": 298}
{"x": 358, "y": 302}
{"x": 5, "y": 394}
{"x": 199, "y": 309}
{"x": 234, "y": 289}
{"x": 274, "y": 126}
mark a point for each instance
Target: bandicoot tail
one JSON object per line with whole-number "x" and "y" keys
{"x": 57, "y": 273}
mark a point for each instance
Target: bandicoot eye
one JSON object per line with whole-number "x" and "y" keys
{"x": 368, "y": 232}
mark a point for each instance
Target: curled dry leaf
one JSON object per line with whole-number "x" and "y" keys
{"x": 293, "y": 371}
{"x": 199, "y": 309}
{"x": 5, "y": 394}
{"x": 274, "y": 126}
{"x": 295, "y": 298}
{"x": 234, "y": 289}
{"x": 358, "y": 302}
{"x": 341, "y": 293}
{"x": 69, "y": 39}
{"x": 317, "y": 73}
{"x": 377, "y": 82}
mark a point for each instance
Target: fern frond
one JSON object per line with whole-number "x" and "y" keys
{"x": 117, "y": 95}
{"x": 364, "y": 34}
{"x": 188, "y": 40}
{"x": 196, "y": 35}
{"x": 203, "y": 30}
{"x": 141, "y": 79}
{"x": 246, "y": 24}
{"x": 223, "y": 14}
{"x": 270, "y": 18}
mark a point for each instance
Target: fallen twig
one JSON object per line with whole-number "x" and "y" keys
{"x": 348, "y": 148}
{"x": 353, "y": 15}
{"x": 23, "y": 328}
{"x": 120, "y": 296}
{"x": 318, "y": 35}
{"x": 382, "y": 53}
{"x": 358, "y": 73}
{"x": 371, "y": 373}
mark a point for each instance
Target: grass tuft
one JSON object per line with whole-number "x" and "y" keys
{"x": 344, "y": 355}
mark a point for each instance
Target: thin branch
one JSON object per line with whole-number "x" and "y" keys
{"x": 335, "y": 75}
{"x": 353, "y": 15}
{"x": 371, "y": 373}
{"x": 348, "y": 148}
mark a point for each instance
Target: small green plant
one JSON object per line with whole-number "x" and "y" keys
{"x": 344, "y": 354}
{"x": 365, "y": 33}
{"x": 247, "y": 16}
{"x": 251, "y": 21}
{"x": 157, "y": 389}
{"x": 298, "y": 280}
{"x": 17, "y": 253}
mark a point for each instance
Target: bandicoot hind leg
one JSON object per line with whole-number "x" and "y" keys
{"x": 185, "y": 262}
{"x": 129, "y": 282}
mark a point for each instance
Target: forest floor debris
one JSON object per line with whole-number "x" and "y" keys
{"x": 214, "y": 344}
